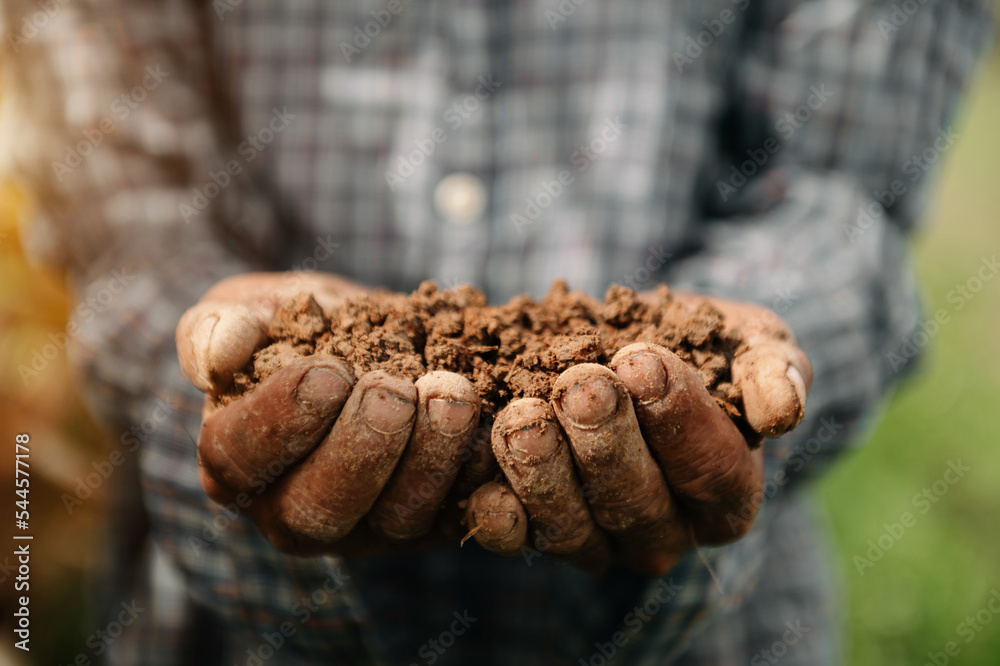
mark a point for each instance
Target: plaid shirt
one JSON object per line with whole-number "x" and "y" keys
{"x": 777, "y": 152}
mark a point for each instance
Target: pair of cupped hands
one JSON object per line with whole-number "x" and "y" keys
{"x": 631, "y": 464}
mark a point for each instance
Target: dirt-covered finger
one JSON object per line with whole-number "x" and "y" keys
{"x": 774, "y": 377}
{"x": 253, "y": 441}
{"x": 328, "y": 492}
{"x": 534, "y": 455}
{"x": 215, "y": 340}
{"x": 496, "y": 519}
{"x": 772, "y": 373}
{"x": 707, "y": 462}
{"x": 447, "y": 413}
{"x": 479, "y": 466}
{"x": 627, "y": 493}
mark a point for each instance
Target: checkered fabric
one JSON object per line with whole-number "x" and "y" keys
{"x": 777, "y": 151}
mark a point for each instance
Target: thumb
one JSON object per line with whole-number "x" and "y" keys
{"x": 270, "y": 291}
{"x": 775, "y": 377}
{"x": 217, "y": 339}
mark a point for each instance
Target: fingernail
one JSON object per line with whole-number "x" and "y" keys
{"x": 798, "y": 382}
{"x": 201, "y": 343}
{"x": 320, "y": 389}
{"x": 230, "y": 340}
{"x": 450, "y": 417}
{"x": 534, "y": 443}
{"x": 386, "y": 412}
{"x": 590, "y": 403}
{"x": 644, "y": 376}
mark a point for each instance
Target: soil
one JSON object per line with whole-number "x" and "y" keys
{"x": 511, "y": 351}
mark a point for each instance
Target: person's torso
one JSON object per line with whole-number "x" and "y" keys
{"x": 502, "y": 144}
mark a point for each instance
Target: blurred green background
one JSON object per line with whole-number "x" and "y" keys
{"x": 909, "y": 603}
{"x": 944, "y": 568}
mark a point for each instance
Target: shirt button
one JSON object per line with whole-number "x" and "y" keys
{"x": 460, "y": 198}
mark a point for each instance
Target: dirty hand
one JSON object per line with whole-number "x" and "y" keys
{"x": 636, "y": 463}
{"x": 323, "y": 462}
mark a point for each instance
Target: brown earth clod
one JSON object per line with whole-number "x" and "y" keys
{"x": 510, "y": 351}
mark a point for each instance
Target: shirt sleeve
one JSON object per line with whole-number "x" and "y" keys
{"x": 832, "y": 103}
{"x": 115, "y": 127}
{"x": 110, "y": 122}
{"x": 842, "y": 113}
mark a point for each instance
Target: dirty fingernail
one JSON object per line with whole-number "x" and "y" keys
{"x": 644, "y": 376}
{"x": 798, "y": 382}
{"x": 450, "y": 417}
{"x": 201, "y": 343}
{"x": 535, "y": 442}
{"x": 589, "y": 403}
{"x": 320, "y": 390}
{"x": 386, "y": 412}
{"x": 231, "y": 341}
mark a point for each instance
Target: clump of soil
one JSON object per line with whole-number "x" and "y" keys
{"x": 511, "y": 351}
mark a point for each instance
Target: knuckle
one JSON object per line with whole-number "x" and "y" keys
{"x": 563, "y": 540}
{"x": 708, "y": 486}
{"x": 649, "y": 513}
{"x": 634, "y": 509}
